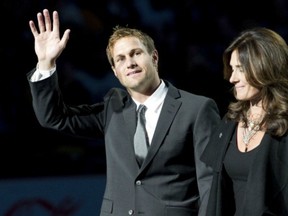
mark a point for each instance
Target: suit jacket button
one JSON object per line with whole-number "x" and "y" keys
{"x": 130, "y": 212}
{"x": 138, "y": 182}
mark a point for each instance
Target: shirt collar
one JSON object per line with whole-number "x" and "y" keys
{"x": 156, "y": 99}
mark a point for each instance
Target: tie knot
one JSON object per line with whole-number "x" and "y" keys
{"x": 142, "y": 109}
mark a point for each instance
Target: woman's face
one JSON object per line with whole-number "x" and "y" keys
{"x": 244, "y": 91}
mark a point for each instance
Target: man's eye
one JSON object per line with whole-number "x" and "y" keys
{"x": 119, "y": 59}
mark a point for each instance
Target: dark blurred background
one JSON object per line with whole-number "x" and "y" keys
{"x": 190, "y": 36}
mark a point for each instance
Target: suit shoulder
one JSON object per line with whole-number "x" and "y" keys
{"x": 194, "y": 97}
{"x": 116, "y": 93}
{"x": 177, "y": 92}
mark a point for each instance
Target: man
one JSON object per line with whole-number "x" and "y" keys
{"x": 171, "y": 179}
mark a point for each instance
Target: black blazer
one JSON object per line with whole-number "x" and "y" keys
{"x": 267, "y": 186}
{"x": 166, "y": 184}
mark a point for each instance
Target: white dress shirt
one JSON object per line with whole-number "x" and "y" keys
{"x": 154, "y": 105}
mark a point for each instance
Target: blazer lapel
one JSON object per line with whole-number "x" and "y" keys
{"x": 221, "y": 138}
{"x": 129, "y": 115}
{"x": 168, "y": 112}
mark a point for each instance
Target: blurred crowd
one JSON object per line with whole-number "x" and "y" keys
{"x": 190, "y": 36}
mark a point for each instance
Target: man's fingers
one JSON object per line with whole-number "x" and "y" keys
{"x": 65, "y": 38}
{"x": 41, "y": 24}
{"x": 33, "y": 28}
{"x": 44, "y": 23}
{"x": 55, "y": 22}
{"x": 47, "y": 20}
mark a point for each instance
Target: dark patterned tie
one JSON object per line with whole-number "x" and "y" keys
{"x": 140, "y": 137}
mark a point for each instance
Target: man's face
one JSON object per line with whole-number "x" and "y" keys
{"x": 135, "y": 68}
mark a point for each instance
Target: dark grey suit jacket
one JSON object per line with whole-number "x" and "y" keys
{"x": 172, "y": 181}
{"x": 267, "y": 184}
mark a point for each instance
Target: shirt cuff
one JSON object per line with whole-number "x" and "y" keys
{"x": 41, "y": 74}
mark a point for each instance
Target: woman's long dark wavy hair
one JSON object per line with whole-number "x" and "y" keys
{"x": 263, "y": 55}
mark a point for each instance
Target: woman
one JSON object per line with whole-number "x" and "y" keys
{"x": 249, "y": 151}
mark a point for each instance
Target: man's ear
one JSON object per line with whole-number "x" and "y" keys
{"x": 155, "y": 57}
{"x": 114, "y": 71}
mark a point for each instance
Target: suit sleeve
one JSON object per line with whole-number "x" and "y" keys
{"x": 53, "y": 113}
{"x": 207, "y": 119}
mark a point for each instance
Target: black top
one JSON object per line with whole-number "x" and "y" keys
{"x": 237, "y": 165}
{"x": 266, "y": 191}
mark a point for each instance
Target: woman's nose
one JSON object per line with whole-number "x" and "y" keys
{"x": 233, "y": 77}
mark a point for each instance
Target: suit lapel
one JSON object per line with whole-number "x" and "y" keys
{"x": 129, "y": 115}
{"x": 168, "y": 113}
{"x": 220, "y": 138}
